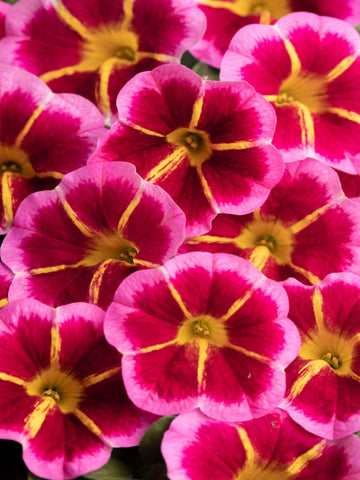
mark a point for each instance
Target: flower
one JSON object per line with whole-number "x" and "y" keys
{"x": 323, "y": 382}
{"x": 206, "y": 143}
{"x": 61, "y": 389}
{"x": 226, "y": 17}
{"x": 94, "y": 47}
{"x": 272, "y": 447}
{"x": 77, "y": 242}
{"x": 42, "y": 136}
{"x": 306, "y": 228}
{"x": 203, "y": 330}
{"x": 307, "y": 66}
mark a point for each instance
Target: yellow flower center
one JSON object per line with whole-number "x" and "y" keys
{"x": 196, "y": 142}
{"x": 307, "y": 89}
{"x": 110, "y": 246}
{"x": 15, "y": 160}
{"x": 269, "y": 233}
{"x": 203, "y": 327}
{"x": 62, "y": 387}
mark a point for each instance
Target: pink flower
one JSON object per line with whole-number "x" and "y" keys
{"x": 206, "y": 143}
{"x": 207, "y": 331}
{"x": 61, "y": 390}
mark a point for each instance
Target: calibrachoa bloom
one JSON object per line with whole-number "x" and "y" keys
{"x": 77, "y": 242}
{"x": 42, "y": 136}
{"x": 269, "y": 448}
{"x": 308, "y": 67}
{"x": 323, "y": 383}
{"x": 61, "y": 389}
{"x": 306, "y": 229}
{"x": 207, "y": 331}
{"x": 206, "y": 143}
{"x": 226, "y": 17}
{"x": 93, "y": 47}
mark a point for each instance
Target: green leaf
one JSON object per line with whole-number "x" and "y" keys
{"x": 113, "y": 470}
{"x": 206, "y": 70}
{"x": 149, "y": 448}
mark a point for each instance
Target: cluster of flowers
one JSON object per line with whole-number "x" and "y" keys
{"x": 197, "y": 258}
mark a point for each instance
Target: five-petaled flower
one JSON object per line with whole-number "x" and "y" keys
{"x": 61, "y": 389}
{"x": 308, "y": 67}
{"x": 323, "y": 382}
{"x": 207, "y": 331}
{"x": 94, "y": 47}
{"x": 207, "y": 143}
{"x": 269, "y": 448}
{"x": 77, "y": 242}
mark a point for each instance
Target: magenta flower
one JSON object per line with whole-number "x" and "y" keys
{"x": 77, "y": 242}
{"x": 306, "y": 229}
{"x": 42, "y": 137}
{"x": 269, "y": 448}
{"x": 94, "y": 47}
{"x": 226, "y": 17}
{"x": 207, "y": 331}
{"x": 307, "y": 66}
{"x": 206, "y": 143}
{"x": 62, "y": 394}
{"x": 323, "y": 383}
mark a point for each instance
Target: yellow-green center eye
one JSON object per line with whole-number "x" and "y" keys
{"x": 51, "y": 392}
{"x": 125, "y": 53}
{"x": 10, "y": 166}
{"x": 201, "y": 328}
{"x": 333, "y": 360}
{"x": 196, "y": 142}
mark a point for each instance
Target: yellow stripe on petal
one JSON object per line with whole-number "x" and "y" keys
{"x": 145, "y": 130}
{"x": 317, "y": 301}
{"x": 102, "y": 93}
{"x": 87, "y": 422}
{"x": 30, "y": 122}
{"x": 260, "y": 256}
{"x": 130, "y": 209}
{"x": 56, "y": 175}
{"x": 37, "y": 417}
{"x": 294, "y": 58}
{"x": 207, "y": 191}
{"x": 99, "y": 377}
{"x": 197, "y": 109}
{"x": 10, "y": 378}
{"x": 233, "y": 146}
{"x": 154, "y": 348}
{"x": 7, "y": 197}
{"x": 168, "y": 165}
{"x": 57, "y": 268}
{"x": 340, "y": 68}
{"x": 84, "y": 229}
{"x": 209, "y": 239}
{"x": 248, "y": 447}
{"x": 95, "y": 284}
{"x": 236, "y": 306}
{"x": 249, "y": 353}
{"x": 203, "y": 346}
{"x": 306, "y": 125}
{"x": 55, "y": 346}
{"x": 303, "y": 460}
{"x": 81, "y": 67}
{"x": 308, "y": 220}
{"x": 161, "y": 57}
{"x": 306, "y": 373}
{"x": 179, "y": 300}
{"x": 144, "y": 263}
{"x": 313, "y": 279}
{"x": 3, "y": 301}
{"x": 348, "y": 115}
{"x": 71, "y": 21}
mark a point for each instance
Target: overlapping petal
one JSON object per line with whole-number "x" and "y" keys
{"x": 42, "y": 137}
{"x": 203, "y": 330}
{"x": 269, "y": 448}
{"x": 225, "y": 18}
{"x": 308, "y": 67}
{"x": 306, "y": 228}
{"x": 323, "y": 383}
{"x": 94, "y": 48}
{"x": 207, "y": 143}
{"x": 62, "y": 394}
{"x": 77, "y": 242}
{"x": 4, "y": 9}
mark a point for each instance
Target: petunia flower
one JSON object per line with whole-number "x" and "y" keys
{"x": 77, "y": 242}
{"x": 306, "y": 229}
{"x": 226, "y": 17}
{"x": 207, "y": 143}
{"x": 269, "y": 448}
{"x": 308, "y": 67}
{"x": 62, "y": 394}
{"x": 207, "y": 331}
{"x": 42, "y": 136}
{"x": 323, "y": 382}
{"x": 93, "y": 47}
